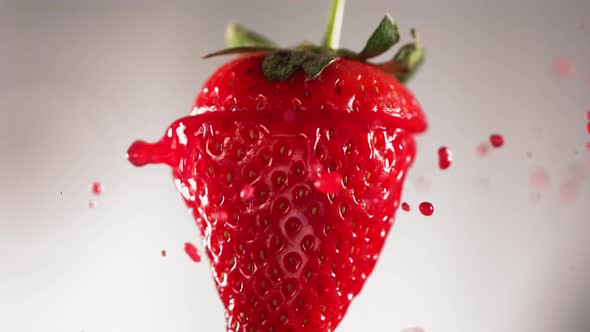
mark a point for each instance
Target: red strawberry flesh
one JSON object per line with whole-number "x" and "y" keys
{"x": 291, "y": 256}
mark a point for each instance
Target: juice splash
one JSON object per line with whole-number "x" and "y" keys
{"x": 96, "y": 188}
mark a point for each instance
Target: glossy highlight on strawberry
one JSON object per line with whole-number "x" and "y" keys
{"x": 293, "y": 183}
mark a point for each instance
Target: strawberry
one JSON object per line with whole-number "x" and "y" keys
{"x": 293, "y": 162}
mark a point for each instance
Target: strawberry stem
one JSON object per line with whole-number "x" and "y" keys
{"x": 334, "y": 26}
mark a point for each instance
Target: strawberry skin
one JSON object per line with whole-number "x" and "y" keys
{"x": 286, "y": 256}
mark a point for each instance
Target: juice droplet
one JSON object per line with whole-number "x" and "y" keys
{"x": 163, "y": 253}
{"x": 538, "y": 178}
{"x": 563, "y": 66}
{"x": 247, "y": 192}
{"x": 482, "y": 149}
{"x": 92, "y": 203}
{"x": 328, "y": 183}
{"x": 192, "y": 252}
{"x": 96, "y": 188}
{"x": 496, "y": 140}
{"x": 588, "y": 127}
{"x": 445, "y": 157}
{"x": 405, "y": 206}
{"x": 426, "y": 208}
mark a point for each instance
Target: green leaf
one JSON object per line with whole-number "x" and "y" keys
{"x": 237, "y": 35}
{"x": 281, "y": 64}
{"x": 406, "y": 61}
{"x": 383, "y": 38}
{"x": 410, "y": 57}
{"x": 239, "y": 50}
{"x": 314, "y": 66}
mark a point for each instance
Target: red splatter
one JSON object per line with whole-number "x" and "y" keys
{"x": 496, "y": 140}
{"x": 247, "y": 192}
{"x": 445, "y": 157}
{"x": 96, "y": 188}
{"x": 163, "y": 253}
{"x": 539, "y": 178}
{"x": 192, "y": 252}
{"x": 482, "y": 149}
{"x": 563, "y": 66}
{"x": 426, "y": 208}
{"x": 405, "y": 206}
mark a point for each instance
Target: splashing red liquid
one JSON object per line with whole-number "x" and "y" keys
{"x": 496, "y": 140}
{"x": 192, "y": 252}
{"x": 563, "y": 67}
{"x": 406, "y": 207}
{"x": 96, "y": 188}
{"x": 163, "y": 253}
{"x": 482, "y": 149}
{"x": 247, "y": 192}
{"x": 445, "y": 158}
{"x": 426, "y": 208}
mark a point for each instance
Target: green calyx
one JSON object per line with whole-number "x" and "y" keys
{"x": 281, "y": 63}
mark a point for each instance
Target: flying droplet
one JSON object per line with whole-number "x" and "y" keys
{"x": 445, "y": 157}
{"x": 96, "y": 188}
{"x": 496, "y": 140}
{"x": 563, "y": 67}
{"x": 406, "y": 207}
{"x": 482, "y": 149}
{"x": 192, "y": 252}
{"x": 163, "y": 253}
{"x": 539, "y": 178}
{"x": 426, "y": 208}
